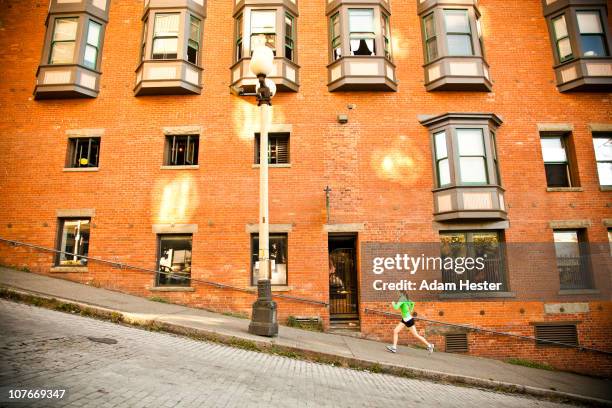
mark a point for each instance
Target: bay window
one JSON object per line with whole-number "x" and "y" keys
{"x": 580, "y": 39}
{"x": 171, "y": 47}
{"x": 70, "y": 62}
{"x": 465, "y": 162}
{"x": 453, "y": 46}
{"x": 275, "y": 21}
{"x": 360, "y": 46}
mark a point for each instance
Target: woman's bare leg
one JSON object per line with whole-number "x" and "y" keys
{"x": 396, "y": 331}
{"x": 414, "y": 332}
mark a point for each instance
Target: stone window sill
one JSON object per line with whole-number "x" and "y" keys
{"x": 283, "y": 165}
{"x": 68, "y": 269}
{"x": 274, "y": 288}
{"x": 78, "y": 169}
{"x": 605, "y": 188}
{"x": 172, "y": 289}
{"x": 194, "y": 167}
{"x": 564, "y": 189}
{"x": 477, "y": 295}
{"x": 569, "y": 292}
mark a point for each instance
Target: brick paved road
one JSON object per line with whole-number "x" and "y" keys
{"x": 43, "y": 348}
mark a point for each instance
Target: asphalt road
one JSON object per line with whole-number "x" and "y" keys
{"x": 101, "y": 364}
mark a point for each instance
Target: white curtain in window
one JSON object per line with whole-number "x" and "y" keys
{"x": 589, "y": 22}
{"x": 553, "y": 150}
{"x": 166, "y": 24}
{"x": 65, "y": 29}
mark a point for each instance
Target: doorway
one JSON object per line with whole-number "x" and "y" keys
{"x": 343, "y": 285}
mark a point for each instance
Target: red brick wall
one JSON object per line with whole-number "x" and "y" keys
{"x": 221, "y": 196}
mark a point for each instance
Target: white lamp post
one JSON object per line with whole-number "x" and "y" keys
{"x": 263, "y": 320}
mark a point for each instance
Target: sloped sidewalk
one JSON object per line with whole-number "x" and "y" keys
{"x": 325, "y": 347}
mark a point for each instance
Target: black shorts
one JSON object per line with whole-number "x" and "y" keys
{"x": 408, "y": 323}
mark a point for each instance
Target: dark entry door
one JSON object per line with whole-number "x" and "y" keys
{"x": 343, "y": 296}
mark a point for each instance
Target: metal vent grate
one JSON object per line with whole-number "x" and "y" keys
{"x": 456, "y": 343}
{"x": 562, "y": 333}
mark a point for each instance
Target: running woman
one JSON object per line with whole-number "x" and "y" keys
{"x": 406, "y": 307}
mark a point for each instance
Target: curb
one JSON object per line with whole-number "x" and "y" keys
{"x": 116, "y": 316}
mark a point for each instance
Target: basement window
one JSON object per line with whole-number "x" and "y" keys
{"x": 83, "y": 152}
{"x": 73, "y": 242}
{"x": 182, "y": 150}
{"x": 456, "y": 343}
{"x": 174, "y": 261}
{"x": 278, "y": 148}
{"x": 546, "y": 334}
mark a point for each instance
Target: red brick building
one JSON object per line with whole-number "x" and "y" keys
{"x": 122, "y": 141}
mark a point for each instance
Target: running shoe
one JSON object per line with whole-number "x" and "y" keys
{"x": 430, "y": 348}
{"x": 392, "y": 349}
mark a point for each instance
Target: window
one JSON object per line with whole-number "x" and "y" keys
{"x": 336, "y": 39}
{"x": 486, "y": 245}
{"x": 143, "y": 46}
{"x": 458, "y": 32}
{"x": 386, "y": 34}
{"x": 556, "y": 163}
{"x": 472, "y": 157}
{"x": 362, "y": 35}
{"x": 562, "y": 40}
{"x": 92, "y": 47}
{"x": 278, "y": 259}
{"x": 278, "y": 148}
{"x": 289, "y": 37}
{"x": 263, "y": 22}
{"x": 174, "y": 261}
{"x": 429, "y": 34}
{"x": 602, "y": 143}
{"x": 165, "y": 36}
{"x": 83, "y": 152}
{"x": 572, "y": 260}
{"x": 64, "y": 40}
{"x": 592, "y": 36}
{"x": 193, "y": 44}
{"x": 442, "y": 166}
{"x": 239, "y": 29}
{"x": 73, "y": 242}
{"x": 182, "y": 150}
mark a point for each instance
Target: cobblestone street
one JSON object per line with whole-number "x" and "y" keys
{"x": 106, "y": 365}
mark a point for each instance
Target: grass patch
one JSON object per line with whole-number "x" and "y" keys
{"x": 239, "y": 315}
{"x": 529, "y": 363}
{"x": 157, "y": 299}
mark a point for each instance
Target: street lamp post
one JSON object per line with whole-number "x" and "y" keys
{"x": 263, "y": 320}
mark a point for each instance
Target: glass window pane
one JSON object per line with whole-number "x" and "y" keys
{"x": 263, "y": 21}
{"x": 456, "y": 21}
{"x": 430, "y": 29}
{"x": 65, "y": 29}
{"x": 93, "y": 33}
{"x": 361, "y": 20}
{"x": 194, "y": 29}
{"x": 593, "y": 46}
{"x": 288, "y": 26}
{"x": 278, "y": 258}
{"x": 62, "y": 53}
{"x": 560, "y": 27}
{"x": 165, "y": 48}
{"x": 440, "y": 141}
{"x": 432, "y": 50}
{"x": 589, "y": 22}
{"x": 91, "y": 56}
{"x": 553, "y": 150}
{"x": 565, "y": 48}
{"x": 603, "y": 148}
{"x": 566, "y": 243}
{"x": 175, "y": 260}
{"x": 459, "y": 44}
{"x": 470, "y": 142}
{"x": 605, "y": 173}
{"x": 473, "y": 170}
{"x": 74, "y": 241}
{"x": 443, "y": 172}
{"x": 166, "y": 24}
